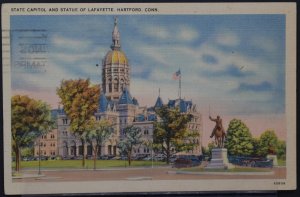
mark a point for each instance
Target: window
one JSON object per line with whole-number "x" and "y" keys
{"x": 110, "y": 87}
{"x": 65, "y": 121}
{"x": 146, "y": 132}
{"x": 144, "y": 150}
{"x": 53, "y": 144}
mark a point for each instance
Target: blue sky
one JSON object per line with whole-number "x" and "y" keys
{"x": 234, "y": 63}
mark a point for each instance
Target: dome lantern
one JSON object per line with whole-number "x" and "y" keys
{"x": 116, "y": 36}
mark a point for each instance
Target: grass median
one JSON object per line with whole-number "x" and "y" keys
{"x": 77, "y": 164}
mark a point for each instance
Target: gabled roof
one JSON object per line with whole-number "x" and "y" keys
{"x": 125, "y": 97}
{"x": 135, "y": 101}
{"x": 102, "y": 103}
{"x": 182, "y": 104}
{"x": 159, "y": 102}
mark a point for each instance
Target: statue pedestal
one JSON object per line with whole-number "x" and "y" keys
{"x": 274, "y": 158}
{"x": 219, "y": 159}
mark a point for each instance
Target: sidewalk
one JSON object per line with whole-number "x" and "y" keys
{"x": 98, "y": 169}
{"x": 221, "y": 173}
{"x": 24, "y": 176}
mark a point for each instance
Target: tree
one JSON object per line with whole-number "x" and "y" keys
{"x": 239, "y": 139}
{"x": 171, "y": 131}
{"x": 268, "y": 142}
{"x": 281, "y": 149}
{"x": 255, "y": 143}
{"x": 27, "y": 151}
{"x": 80, "y": 101}
{"x": 132, "y": 137}
{"x": 102, "y": 130}
{"x": 211, "y": 145}
{"x": 29, "y": 119}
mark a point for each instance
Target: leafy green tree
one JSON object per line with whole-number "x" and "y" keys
{"x": 268, "y": 142}
{"x": 30, "y": 118}
{"x": 204, "y": 150}
{"x": 171, "y": 132}
{"x": 255, "y": 143}
{"x": 27, "y": 151}
{"x": 211, "y": 146}
{"x": 239, "y": 139}
{"x": 132, "y": 138}
{"x": 101, "y": 131}
{"x": 281, "y": 149}
{"x": 80, "y": 101}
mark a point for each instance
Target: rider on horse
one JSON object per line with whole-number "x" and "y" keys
{"x": 218, "y": 126}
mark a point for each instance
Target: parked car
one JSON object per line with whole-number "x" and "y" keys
{"x": 251, "y": 161}
{"x": 183, "y": 162}
{"x": 139, "y": 157}
{"x": 116, "y": 158}
{"x": 124, "y": 158}
{"x": 148, "y": 158}
{"x": 25, "y": 159}
{"x": 103, "y": 157}
{"x": 110, "y": 157}
{"x": 160, "y": 157}
{"x": 68, "y": 157}
{"x": 79, "y": 157}
{"x": 173, "y": 158}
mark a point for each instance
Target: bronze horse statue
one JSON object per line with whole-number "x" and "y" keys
{"x": 218, "y": 132}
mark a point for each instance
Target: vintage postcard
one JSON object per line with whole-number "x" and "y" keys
{"x": 108, "y": 98}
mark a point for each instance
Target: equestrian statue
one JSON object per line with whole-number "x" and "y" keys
{"x": 218, "y": 132}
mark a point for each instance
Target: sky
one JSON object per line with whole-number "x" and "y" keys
{"x": 231, "y": 65}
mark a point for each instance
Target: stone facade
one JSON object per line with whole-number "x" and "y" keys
{"x": 47, "y": 144}
{"x": 117, "y": 105}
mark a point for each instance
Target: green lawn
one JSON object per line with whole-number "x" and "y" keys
{"x": 237, "y": 169}
{"x": 281, "y": 162}
{"x": 89, "y": 164}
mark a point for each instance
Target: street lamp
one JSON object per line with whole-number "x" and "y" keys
{"x": 152, "y": 152}
{"x": 39, "y": 152}
{"x": 39, "y": 173}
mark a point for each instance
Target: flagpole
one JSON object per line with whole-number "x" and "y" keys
{"x": 180, "y": 87}
{"x": 179, "y": 84}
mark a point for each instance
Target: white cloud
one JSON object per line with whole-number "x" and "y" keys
{"x": 67, "y": 43}
{"x": 195, "y": 85}
{"x": 159, "y": 32}
{"x": 264, "y": 43}
{"x": 178, "y": 33}
{"x": 78, "y": 56}
{"x": 187, "y": 33}
{"x": 227, "y": 38}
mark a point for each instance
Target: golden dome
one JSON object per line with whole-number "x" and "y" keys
{"x": 115, "y": 57}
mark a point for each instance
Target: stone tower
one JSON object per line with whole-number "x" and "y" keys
{"x": 115, "y": 68}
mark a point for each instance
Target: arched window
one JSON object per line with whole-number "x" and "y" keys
{"x": 116, "y": 85}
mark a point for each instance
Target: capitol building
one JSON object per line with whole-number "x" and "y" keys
{"x": 117, "y": 105}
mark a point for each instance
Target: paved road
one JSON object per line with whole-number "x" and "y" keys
{"x": 136, "y": 174}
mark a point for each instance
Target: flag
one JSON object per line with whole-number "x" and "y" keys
{"x": 177, "y": 75}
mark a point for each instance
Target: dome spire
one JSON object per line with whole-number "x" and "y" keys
{"x": 116, "y": 36}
